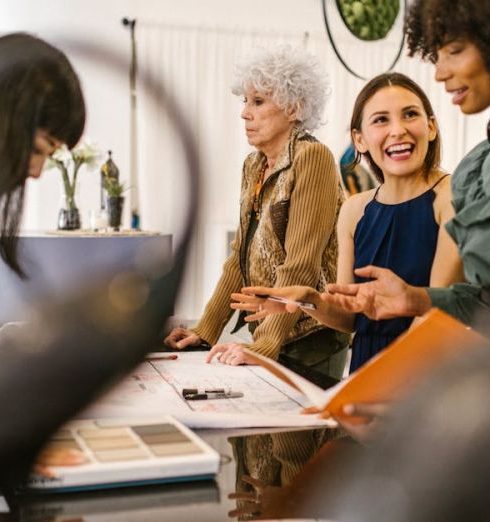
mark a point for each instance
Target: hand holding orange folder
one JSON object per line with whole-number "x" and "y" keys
{"x": 394, "y": 371}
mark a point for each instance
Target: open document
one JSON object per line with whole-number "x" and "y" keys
{"x": 394, "y": 371}
{"x": 156, "y": 387}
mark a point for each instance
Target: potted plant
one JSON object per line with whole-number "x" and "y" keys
{"x": 69, "y": 163}
{"x": 115, "y": 200}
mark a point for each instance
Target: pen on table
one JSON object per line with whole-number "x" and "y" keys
{"x": 212, "y": 395}
{"x": 171, "y": 357}
{"x": 284, "y": 300}
{"x": 193, "y": 391}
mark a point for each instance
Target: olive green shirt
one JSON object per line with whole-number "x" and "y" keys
{"x": 470, "y": 229}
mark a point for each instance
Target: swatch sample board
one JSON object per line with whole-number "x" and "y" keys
{"x": 121, "y": 453}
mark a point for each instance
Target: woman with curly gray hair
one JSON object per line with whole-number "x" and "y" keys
{"x": 290, "y": 198}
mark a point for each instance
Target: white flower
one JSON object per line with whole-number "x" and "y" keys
{"x": 62, "y": 154}
{"x": 69, "y": 163}
{"x": 87, "y": 153}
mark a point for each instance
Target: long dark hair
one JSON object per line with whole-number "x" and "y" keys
{"x": 433, "y": 157}
{"x": 38, "y": 90}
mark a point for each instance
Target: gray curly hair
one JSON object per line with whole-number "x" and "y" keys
{"x": 290, "y": 76}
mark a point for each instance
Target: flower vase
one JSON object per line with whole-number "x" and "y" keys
{"x": 114, "y": 211}
{"x": 69, "y": 216}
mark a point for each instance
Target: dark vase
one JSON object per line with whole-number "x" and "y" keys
{"x": 114, "y": 211}
{"x": 69, "y": 219}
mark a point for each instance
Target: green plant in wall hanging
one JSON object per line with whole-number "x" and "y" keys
{"x": 366, "y": 20}
{"x": 369, "y": 19}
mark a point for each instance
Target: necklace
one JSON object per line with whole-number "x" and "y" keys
{"x": 258, "y": 188}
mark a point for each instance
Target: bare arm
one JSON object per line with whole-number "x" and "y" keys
{"x": 388, "y": 296}
{"x": 447, "y": 267}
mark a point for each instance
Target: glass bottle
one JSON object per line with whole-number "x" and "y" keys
{"x": 108, "y": 169}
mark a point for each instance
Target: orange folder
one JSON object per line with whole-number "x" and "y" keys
{"x": 395, "y": 370}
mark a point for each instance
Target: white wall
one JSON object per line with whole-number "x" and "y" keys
{"x": 108, "y": 103}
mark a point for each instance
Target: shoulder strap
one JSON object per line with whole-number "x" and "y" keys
{"x": 438, "y": 181}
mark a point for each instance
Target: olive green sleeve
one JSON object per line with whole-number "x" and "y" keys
{"x": 461, "y": 300}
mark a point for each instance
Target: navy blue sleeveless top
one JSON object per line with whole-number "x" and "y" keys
{"x": 403, "y": 238}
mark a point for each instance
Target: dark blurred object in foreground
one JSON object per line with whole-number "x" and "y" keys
{"x": 55, "y": 364}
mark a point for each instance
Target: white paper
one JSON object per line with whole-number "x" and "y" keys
{"x": 318, "y": 397}
{"x": 155, "y": 388}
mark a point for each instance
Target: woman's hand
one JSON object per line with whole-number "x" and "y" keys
{"x": 259, "y": 306}
{"x": 313, "y": 410}
{"x": 385, "y": 297}
{"x": 57, "y": 457}
{"x": 180, "y": 337}
{"x": 375, "y": 416}
{"x": 249, "y": 300}
{"x": 229, "y": 353}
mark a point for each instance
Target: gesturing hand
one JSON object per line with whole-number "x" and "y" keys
{"x": 249, "y": 300}
{"x": 259, "y": 306}
{"x": 385, "y": 297}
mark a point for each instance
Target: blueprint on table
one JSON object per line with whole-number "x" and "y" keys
{"x": 155, "y": 388}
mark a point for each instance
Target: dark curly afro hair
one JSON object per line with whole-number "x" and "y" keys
{"x": 430, "y": 24}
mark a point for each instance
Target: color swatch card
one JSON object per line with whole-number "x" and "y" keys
{"x": 120, "y": 453}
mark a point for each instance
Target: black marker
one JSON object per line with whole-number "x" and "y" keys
{"x": 212, "y": 395}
